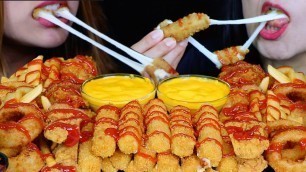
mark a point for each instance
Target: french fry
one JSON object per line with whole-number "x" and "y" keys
{"x": 30, "y": 96}
{"x": 264, "y": 84}
{"x": 279, "y": 76}
{"x": 45, "y": 102}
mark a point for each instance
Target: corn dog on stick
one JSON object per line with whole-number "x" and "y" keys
{"x": 166, "y": 162}
{"x": 183, "y": 139}
{"x": 186, "y": 26}
{"x": 87, "y": 161}
{"x": 158, "y": 131}
{"x": 231, "y": 55}
{"x": 104, "y": 141}
{"x": 209, "y": 145}
{"x": 130, "y": 128}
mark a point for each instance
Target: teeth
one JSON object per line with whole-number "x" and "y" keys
{"x": 272, "y": 28}
{"x": 52, "y": 7}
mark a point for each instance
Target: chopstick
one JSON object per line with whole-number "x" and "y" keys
{"x": 65, "y": 13}
{"x": 258, "y": 19}
{"x": 50, "y": 17}
{"x": 247, "y": 44}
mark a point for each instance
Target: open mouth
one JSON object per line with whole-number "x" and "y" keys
{"x": 274, "y": 28}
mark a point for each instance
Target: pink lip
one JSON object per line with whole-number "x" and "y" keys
{"x": 273, "y": 35}
{"x": 47, "y": 23}
{"x": 50, "y": 3}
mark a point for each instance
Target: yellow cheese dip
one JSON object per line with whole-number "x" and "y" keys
{"x": 192, "y": 91}
{"x": 118, "y": 90}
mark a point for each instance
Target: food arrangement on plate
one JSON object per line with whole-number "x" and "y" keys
{"x": 60, "y": 115}
{"x": 47, "y": 125}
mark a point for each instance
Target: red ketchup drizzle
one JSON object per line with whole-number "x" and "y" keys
{"x": 239, "y": 134}
{"x": 238, "y": 108}
{"x": 183, "y": 135}
{"x": 110, "y": 108}
{"x": 303, "y": 144}
{"x": 158, "y": 118}
{"x": 59, "y": 168}
{"x": 113, "y": 132}
{"x": 14, "y": 125}
{"x": 146, "y": 156}
{"x": 34, "y": 117}
{"x": 209, "y": 139}
{"x": 85, "y": 136}
{"x": 73, "y": 136}
{"x": 159, "y": 132}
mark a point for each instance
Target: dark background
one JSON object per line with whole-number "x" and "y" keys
{"x": 130, "y": 20}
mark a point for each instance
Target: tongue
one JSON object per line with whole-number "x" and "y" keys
{"x": 279, "y": 22}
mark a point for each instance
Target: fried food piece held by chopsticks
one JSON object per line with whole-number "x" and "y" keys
{"x": 186, "y": 26}
{"x": 231, "y": 55}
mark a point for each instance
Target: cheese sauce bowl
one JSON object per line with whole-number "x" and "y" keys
{"x": 117, "y": 89}
{"x": 192, "y": 91}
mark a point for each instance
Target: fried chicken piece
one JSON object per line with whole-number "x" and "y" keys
{"x": 252, "y": 165}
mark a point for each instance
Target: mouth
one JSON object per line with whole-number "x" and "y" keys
{"x": 50, "y": 6}
{"x": 274, "y": 28}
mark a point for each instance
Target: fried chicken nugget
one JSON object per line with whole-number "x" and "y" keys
{"x": 167, "y": 162}
{"x": 104, "y": 141}
{"x": 252, "y": 165}
{"x": 186, "y": 26}
{"x": 130, "y": 128}
{"x": 183, "y": 139}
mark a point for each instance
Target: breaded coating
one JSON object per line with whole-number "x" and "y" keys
{"x": 145, "y": 159}
{"x": 167, "y": 162}
{"x": 231, "y": 55}
{"x": 104, "y": 141}
{"x": 120, "y": 161}
{"x": 28, "y": 160}
{"x": 130, "y": 128}
{"x": 183, "y": 139}
{"x": 208, "y": 129}
{"x": 191, "y": 164}
{"x": 186, "y": 26}
{"x": 107, "y": 166}
{"x": 67, "y": 156}
{"x": 86, "y": 160}
{"x": 252, "y": 165}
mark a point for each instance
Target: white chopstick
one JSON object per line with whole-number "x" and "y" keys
{"x": 65, "y": 13}
{"x": 49, "y": 16}
{"x": 258, "y": 19}
{"x": 248, "y": 43}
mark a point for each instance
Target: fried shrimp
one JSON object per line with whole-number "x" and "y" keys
{"x": 20, "y": 123}
{"x": 186, "y": 26}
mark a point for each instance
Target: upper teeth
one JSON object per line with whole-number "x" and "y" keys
{"x": 52, "y": 7}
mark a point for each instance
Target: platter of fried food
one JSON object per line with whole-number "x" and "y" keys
{"x": 46, "y": 125}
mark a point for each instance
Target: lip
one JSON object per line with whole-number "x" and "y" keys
{"x": 50, "y": 3}
{"x": 273, "y": 35}
{"x": 47, "y": 23}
